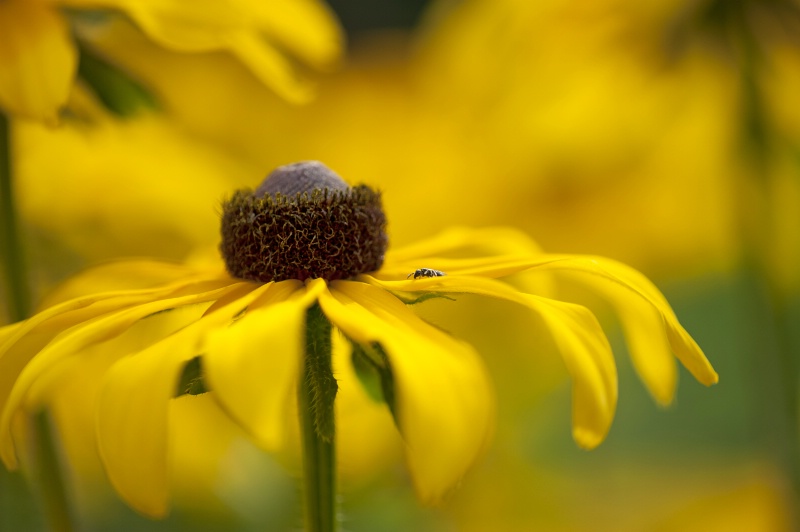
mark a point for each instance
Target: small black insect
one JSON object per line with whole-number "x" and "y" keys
{"x": 426, "y": 272}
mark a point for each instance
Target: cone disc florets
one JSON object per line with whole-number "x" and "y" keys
{"x": 303, "y": 222}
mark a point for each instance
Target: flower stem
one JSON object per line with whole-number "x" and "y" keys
{"x": 50, "y": 477}
{"x": 776, "y": 360}
{"x": 317, "y": 392}
{"x": 16, "y": 280}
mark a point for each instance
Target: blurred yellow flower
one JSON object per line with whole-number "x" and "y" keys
{"x": 587, "y": 116}
{"x": 39, "y": 54}
{"x": 144, "y": 164}
{"x": 243, "y": 333}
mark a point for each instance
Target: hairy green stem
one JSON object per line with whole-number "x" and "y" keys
{"x": 317, "y": 392}
{"x": 16, "y": 280}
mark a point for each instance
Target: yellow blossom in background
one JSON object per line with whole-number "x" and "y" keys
{"x": 243, "y": 332}
{"x": 92, "y": 192}
{"x": 39, "y": 54}
{"x": 582, "y": 124}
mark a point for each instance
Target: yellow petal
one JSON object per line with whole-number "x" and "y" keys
{"x": 27, "y": 356}
{"x": 307, "y": 28}
{"x": 132, "y": 420}
{"x": 252, "y": 366}
{"x": 133, "y": 410}
{"x": 627, "y": 284}
{"x": 489, "y": 240}
{"x": 246, "y": 29}
{"x": 37, "y": 59}
{"x": 648, "y": 345}
{"x": 70, "y": 394}
{"x": 443, "y": 399}
{"x": 130, "y": 274}
{"x": 590, "y": 363}
{"x": 623, "y": 285}
{"x": 271, "y": 68}
{"x": 7, "y": 331}
{"x": 582, "y": 345}
{"x": 135, "y": 217}
{"x": 22, "y": 341}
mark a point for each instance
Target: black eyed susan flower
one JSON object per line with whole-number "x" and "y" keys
{"x": 305, "y": 255}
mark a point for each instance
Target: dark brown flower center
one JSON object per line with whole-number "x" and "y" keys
{"x": 303, "y": 222}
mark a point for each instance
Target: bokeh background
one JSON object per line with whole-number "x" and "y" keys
{"x": 664, "y": 134}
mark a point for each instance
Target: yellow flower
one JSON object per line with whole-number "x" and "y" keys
{"x": 57, "y": 194}
{"x": 285, "y": 254}
{"x": 39, "y": 54}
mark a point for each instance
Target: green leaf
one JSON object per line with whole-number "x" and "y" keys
{"x": 191, "y": 381}
{"x": 119, "y": 93}
{"x": 375, "y": 373}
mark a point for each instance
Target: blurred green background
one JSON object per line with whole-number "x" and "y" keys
{"x": 664, "y": 134}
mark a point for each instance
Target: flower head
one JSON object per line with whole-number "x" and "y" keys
{"x": 243, "y": 339}
{"x": 39, "y": 56}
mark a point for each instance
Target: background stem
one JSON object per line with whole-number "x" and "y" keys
{"x": 16, "y": 279}
{"x": 49, "y": 476}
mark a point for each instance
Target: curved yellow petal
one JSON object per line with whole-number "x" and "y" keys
{"x": 7, "y": 331}
{"x": 308, "y": 28}
{"x": 648, "y": 345}
{"x": 129, "y": 274}
{"x": 21, "y": 342}
{"x": 623, "y": 285}
{"x": 646, "y": 334}
{"x": 70, "y": 392}
{"x": 443, "y": 398}
{"x": 252, "y": 366}
{"x": 489, "y": 240}
{"x": 271, "y": 67}
{"x": 491, "y": 266}
{"x": 133, "y": 410}
{"x": 256, "y": 32}
{"x": 132, "y": 415}
{"x": 37, "y": 59}
{"x": 27, "y": 356}
{"x": 580, "y": 340}
{"x": 590, "y": 363}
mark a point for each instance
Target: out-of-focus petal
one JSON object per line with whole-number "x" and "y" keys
{"x": 252, "y": 366}
{"x": 628, "y": 284}
{"x": 271, "y": 68}
{"x": 443, "y": 400}
{"x": 580, "y": 340}
{"x": 489, "y": 240}
{"x": 37, "y": 59}
{"x": 21, "y": 341}
{"x": 648, "y": 346}
{"x": 129, "y": 274}
{"x": 117, "y": 163}
{"x": 307, "y": 28}
{"x": 133, "y": 410}
{"x": 257, "y": 33}
{"x": 25, "y": 368}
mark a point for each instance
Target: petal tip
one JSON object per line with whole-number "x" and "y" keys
{"x": 587, "y": 439}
